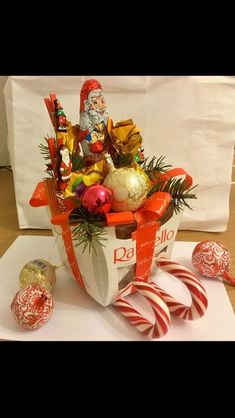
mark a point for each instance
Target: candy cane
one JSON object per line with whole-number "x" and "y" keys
{"x": 161, "y": 312}
{"x": 194, "y": 285}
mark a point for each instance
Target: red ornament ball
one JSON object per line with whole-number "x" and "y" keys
{"x": 32, "y": 306}
{"x": 211, "y": 259}
{"x": 97, "y": 199}
{"x": 97, "y": 147}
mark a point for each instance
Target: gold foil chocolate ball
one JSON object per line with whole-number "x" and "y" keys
{"x": 129, "y": 186}
{"x": 40, "y": 272}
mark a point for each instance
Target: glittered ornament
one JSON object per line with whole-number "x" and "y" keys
{"x": 97, "y": 199}
{"x": 212, "y": 259}
{"x": 40, "y": 272}
{"x": 129, "y": 186}
{"x": 32, "y": 306}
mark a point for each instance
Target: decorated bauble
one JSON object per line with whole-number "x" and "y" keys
{"x": 39, "y": 272}
{"x": 97, "y": 199}
{"x": 129, "y": 186}
{"x": 212, "y": 259}
{"x": 32, "y": 306}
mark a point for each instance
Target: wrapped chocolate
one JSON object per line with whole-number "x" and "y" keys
{"x": 126, "y": 138}
{"x": 68, "y": 138}
{"x": 40, "y": 272}
{"x": 32, "y": 306}
{"x": 129, "y": 186}
{"x": 212, "y": 259}
{"x": 88, "y": 175}
{"x": 95, "y": 123}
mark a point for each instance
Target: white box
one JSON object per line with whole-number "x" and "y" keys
{"x": 109, "y": 270}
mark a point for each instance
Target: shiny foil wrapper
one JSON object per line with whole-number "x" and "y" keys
{"x": 126, "y": 137}
{"x": 40, "y": 272}
{"x": 89, "y": 175}
{"x": 129, "y": 187}
{"x": 68, "y": 138}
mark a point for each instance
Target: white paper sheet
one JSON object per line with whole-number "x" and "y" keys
{"x": 78, "y": 318}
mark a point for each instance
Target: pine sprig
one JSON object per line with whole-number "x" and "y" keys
{"x": 50, "y": 172}
{"x": 178, "y": 189}
{"x": 45, "y": 151}
{"x": 77, "y": 162}
{"x": 155, "y": 165}
{"x": 90, "y": 230}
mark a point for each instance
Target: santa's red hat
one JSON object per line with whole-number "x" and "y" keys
{"x": 88, "y": 87}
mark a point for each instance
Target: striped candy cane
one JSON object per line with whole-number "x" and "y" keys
{"x": 194, "y": 285}
{"x": 161, "y": 312}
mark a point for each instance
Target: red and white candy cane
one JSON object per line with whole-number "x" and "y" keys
{"x": 194, "y": 285}
{"x": 161, "y": 312}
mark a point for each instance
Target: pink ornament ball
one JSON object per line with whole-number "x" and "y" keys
{"x": 211, "y": 259}
{"x": 97, "y": 199}
{"x": 32, "y": 306}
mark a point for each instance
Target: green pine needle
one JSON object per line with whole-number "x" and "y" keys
{"x": 90, "y": 230}
{"x": 178, "y": 189}
{"x": 77, "y": 162}
{"x": 155, "y": 165}
{"x": 45, "y": 151}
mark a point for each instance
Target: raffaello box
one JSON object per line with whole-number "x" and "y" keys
{"x": 107, "y": 271}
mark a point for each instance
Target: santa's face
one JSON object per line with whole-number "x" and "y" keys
{"x": 96, "y": 116}
{"x": 98, "y": 103}
{"x": 95, "y": 112}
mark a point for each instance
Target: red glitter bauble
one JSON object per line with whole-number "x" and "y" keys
{"x": 97, "y": 199}
{"x": 211, "y": 259}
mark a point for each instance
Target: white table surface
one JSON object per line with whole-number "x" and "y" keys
{"x": 77, "y": 317}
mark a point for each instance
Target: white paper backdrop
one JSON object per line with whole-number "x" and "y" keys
{"x": 189, "y": 119}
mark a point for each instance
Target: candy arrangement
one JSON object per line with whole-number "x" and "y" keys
{"x": 114, "y": 213}
{"x": 98, "y": 168}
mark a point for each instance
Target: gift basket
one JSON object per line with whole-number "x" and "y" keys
{"x": 114, "y": 212}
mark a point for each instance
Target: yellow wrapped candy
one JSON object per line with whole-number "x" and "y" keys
{"x": 126, "y": 137}
{"x": 89, "y": 175}
{"x": 68, "y": 138}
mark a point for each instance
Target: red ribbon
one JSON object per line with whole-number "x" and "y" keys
{"x": 39, "y": 196}
{"x": 175, "y": 172}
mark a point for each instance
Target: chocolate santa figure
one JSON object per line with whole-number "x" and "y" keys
{"x": 94, "y": 122}
{"x": 64, "y": 167}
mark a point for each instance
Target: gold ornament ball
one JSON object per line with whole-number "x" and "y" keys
{"x": 129, "y": 186}
{"x": 40, "y": 272}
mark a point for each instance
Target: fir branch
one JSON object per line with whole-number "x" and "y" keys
{"x": 77, "y": 162}
{"x": 45, "y": 151}
{"x": 90, "y": 230}
{"x": 178, "y": 189}
{"x": 50, "y": 172}
{"x": 155, "y": 165}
